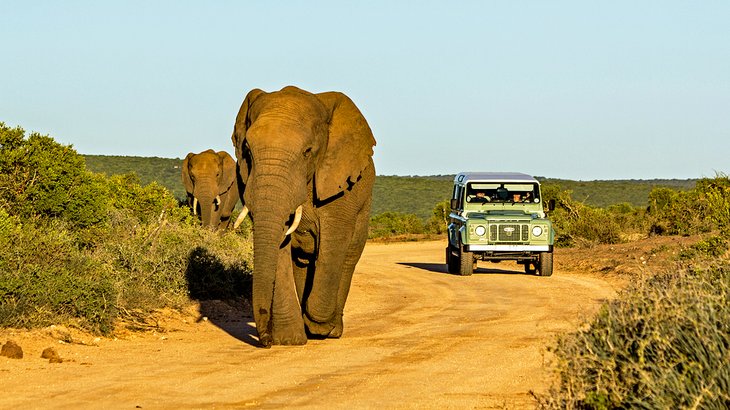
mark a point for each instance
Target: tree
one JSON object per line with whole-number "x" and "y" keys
{"x": 42, "y": 178}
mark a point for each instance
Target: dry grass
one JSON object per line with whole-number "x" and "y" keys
{"x": 663, "y": 343}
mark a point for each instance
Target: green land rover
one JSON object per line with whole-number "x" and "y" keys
{"x": 496, "y": 217}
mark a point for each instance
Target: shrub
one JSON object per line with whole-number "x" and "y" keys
{"x": 145, "y": 202}
{"x": 579, "y": 224}
{"x": 700, "y": 210}
{"x": 439, "y": 218}
{"x": 711, "y": 247}
{"x": 394, "y": 223}
{"x": 80, "y": 248}
{"x": 39, "y": 177}
{"x": 663, "y": 343}
{"x": 48, "y": 280}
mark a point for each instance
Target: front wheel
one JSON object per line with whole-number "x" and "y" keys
{"x": 546, "y": 264}
{"x": 466, "y": 263}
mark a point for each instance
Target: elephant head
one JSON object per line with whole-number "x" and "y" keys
{"x": 210, "y": 181}
{"x": 299, "y": 153}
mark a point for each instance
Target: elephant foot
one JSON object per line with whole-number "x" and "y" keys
{"x": 266, "y": 340}
{"x": 336, "y": 333}
{"x": 283, "y": 338}
{"x": 321, "y": 329}
{"x": 291, "y": 339}
{"x": 289, "y": 335}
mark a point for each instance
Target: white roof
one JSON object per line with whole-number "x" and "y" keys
{"x": 465, "y": 177}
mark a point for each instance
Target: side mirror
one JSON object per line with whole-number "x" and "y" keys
{"x": 454, "y": 203}
{"x": 551, "y": 205}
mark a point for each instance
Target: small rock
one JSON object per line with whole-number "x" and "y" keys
{"x": 11, "y": 350}
{"x": 52, "y": 355}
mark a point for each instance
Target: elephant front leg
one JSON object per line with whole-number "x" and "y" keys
{"x": 354, "y": 251}
{"x": 287, "y": 323}
{"x": 321, "y": 314}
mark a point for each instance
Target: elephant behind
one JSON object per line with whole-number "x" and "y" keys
{"x": 305, "y": 161}
{"x": 210, "y": 181}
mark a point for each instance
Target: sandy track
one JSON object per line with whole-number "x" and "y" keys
{"x": 415, "y": 336}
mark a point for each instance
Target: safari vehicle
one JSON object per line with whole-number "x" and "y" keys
{"x": 496, "y": 217}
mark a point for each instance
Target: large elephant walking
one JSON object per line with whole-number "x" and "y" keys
{"x": 210, "y": 181}
{"x": 305, "y": 161}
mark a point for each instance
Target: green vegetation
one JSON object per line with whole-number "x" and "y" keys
{"x": 403, "y": 194}
{"x": 603, "y": 194}
{"x": 164, "y": 171}
{"x": 87, "y": 250}
{"x": 663, "y": 343}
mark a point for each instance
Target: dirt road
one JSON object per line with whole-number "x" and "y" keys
{"x": 415, "y": 336}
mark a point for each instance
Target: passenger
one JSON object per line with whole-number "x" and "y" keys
{"x": 482, "y": 197}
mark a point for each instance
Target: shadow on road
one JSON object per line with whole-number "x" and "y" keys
{"x": 441, "y": 268}
{"x": 223, "y": 293}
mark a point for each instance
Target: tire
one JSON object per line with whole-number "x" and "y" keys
{"x": 466, "y": 263}
{"x": 546, "y": 264}
{"x": 452, "y": 262}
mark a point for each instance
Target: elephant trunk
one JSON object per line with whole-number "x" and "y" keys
{"x": 209, "y": 201}
{"x": 267, "y": 241}
{"x": 273, "y": 218}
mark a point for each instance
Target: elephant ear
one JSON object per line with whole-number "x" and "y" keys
{"x": 243, "y": 121}
{"x": 228, "y": 172}
{"x": 349, "y": 149}
{"x": 187, "y": 181}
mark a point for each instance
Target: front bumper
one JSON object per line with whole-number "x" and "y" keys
{"x": 507, "y": 248}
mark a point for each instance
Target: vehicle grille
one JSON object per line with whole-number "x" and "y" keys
{"x": 509, "y": 233}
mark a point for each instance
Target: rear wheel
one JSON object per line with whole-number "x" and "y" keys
{"x": 452, "y": 262}
{"x": 546, "y": 264}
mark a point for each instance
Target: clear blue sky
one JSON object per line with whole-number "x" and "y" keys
{"x": 565, "y": 89}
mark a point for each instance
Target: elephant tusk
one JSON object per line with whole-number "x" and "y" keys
{"x": 217, "y": 200}
{"x": 241, "y": 217}
{"x": 195, "y": 205}
{"x": 297, "y": 219}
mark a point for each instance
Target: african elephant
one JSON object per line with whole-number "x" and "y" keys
{"x": 305, "y": 161}
{"x": 210, "y": 181}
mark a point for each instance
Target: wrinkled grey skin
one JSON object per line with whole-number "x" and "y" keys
{"x": 315, "y": 150}
{"x": 211, "y": 178}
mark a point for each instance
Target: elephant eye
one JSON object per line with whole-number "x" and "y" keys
{"x": 307, "y": 152}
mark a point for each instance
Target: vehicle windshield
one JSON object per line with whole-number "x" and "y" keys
{"x": 498, "y": 192}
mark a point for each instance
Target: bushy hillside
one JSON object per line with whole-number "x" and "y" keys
{"x": 606, "y": 193}
{"x": 403, "y": 194}
{"x": 164, "y": 171}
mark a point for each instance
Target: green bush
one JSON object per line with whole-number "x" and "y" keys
{"x": 390, "y": 224}
{"x": 711, "y": 247}
{"x": 84, "y": 249}
{"x": 41, "y": 178}
{"x": 145, "y": 202}
{"x": 153, "y": 264}
{"x": 579, "y": 224}
{"x": 702, "y": 209}
{"x": 45, "y": 279}
{"x": 663, "y": 343}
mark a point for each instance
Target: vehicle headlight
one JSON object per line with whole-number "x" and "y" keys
{"x": 536, "y": 230}
{"x": 480, "y": 230}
